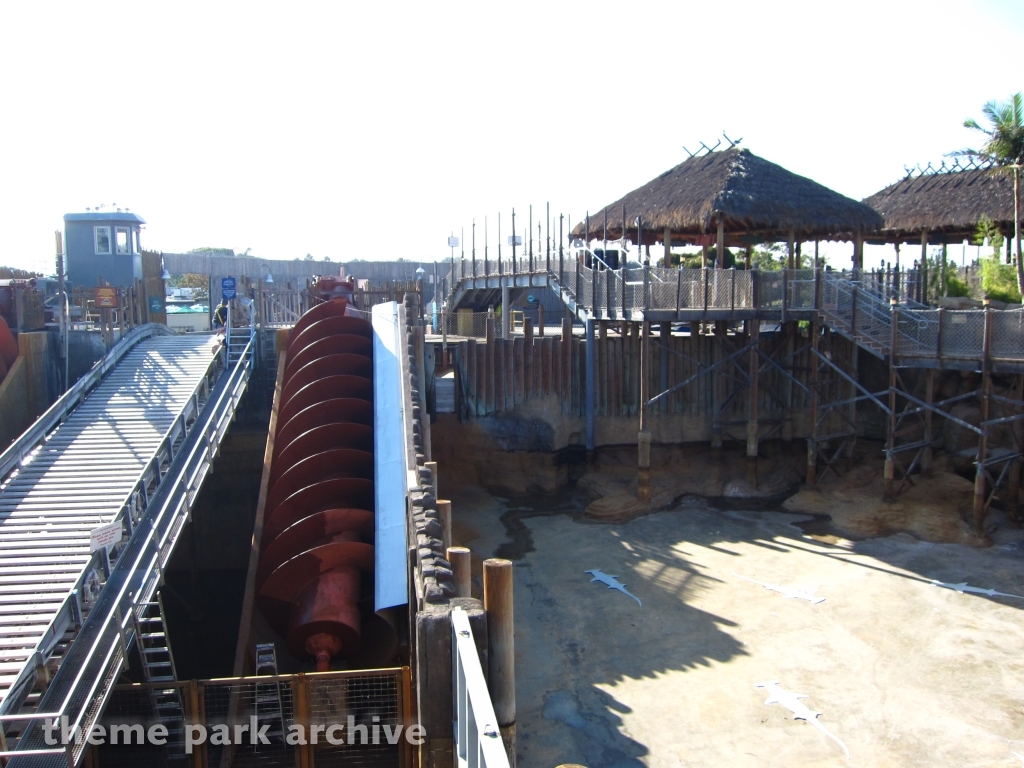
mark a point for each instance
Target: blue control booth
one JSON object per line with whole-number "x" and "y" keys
{"x": 103, "y": 244}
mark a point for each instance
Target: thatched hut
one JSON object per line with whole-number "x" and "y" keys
{"x": 734, "y": 198}
{"x": 943, "y": 206}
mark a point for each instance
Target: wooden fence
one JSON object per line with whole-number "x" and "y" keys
{"x": 499, "y": 375}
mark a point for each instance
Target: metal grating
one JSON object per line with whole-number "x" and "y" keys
{"x": 83, "y": 477}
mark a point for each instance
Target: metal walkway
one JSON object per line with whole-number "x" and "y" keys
{"x": 82, "y": 476}
{"x": 914, "y": 335}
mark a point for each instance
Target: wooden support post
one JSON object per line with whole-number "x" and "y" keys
{"x": 851, "y": 413}
{"x": 566, "y": 363}
{"x": 748, "y": 256}
{"x": 752, "y": 416}
{"x": 461, "y": 560}
{"x": 812, "y": 440}
{"x": 666, "y": 238}
{"x": 444, "y": 513}
{"x": 421, "y": 372}
{"x": 889, "y": 470}
{"x": 590, "y": 376}
{"x": 644, "y": 438}
{"x": 540, "y": 320}
{"x": 489, "y": 356}
{"x": 664, "y": 338}
{"x": 300, "y": 702}
{"x": 858, "y": 251}
{"x": 929, "y": 396}
{"x": 506, "y": 312}
{"x": 1013, "y": 476}
{"x": 718, "y": 388}
{"x": 501, "y": 678}
{"x": 792, "y": 249}
{"x": 526, "y": 369}
{"x": 720, "y": 242}
{"x": 923, "y": 275}
{"x": 787, "y": 384}
{"x": 986, "y": 392}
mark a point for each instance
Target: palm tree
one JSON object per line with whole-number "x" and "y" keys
{"x": 1004, "y": 147}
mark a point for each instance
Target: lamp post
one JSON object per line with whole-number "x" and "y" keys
{"x": 264, "y": 309}
{"x": 420, "y": 272}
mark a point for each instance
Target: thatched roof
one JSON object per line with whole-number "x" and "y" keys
{"x": 949, "y": 205}
{"x": 757, "y": 201}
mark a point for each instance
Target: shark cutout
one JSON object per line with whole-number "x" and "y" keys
{"x": 612, "y": 582}
{"x": 791, "y": 701}
{"x": 962, "y": 587}
{"x": 788, "y": 592}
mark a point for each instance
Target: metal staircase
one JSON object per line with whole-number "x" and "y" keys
{"x": 268, "y": 708}
{"x": 158, "y": 667}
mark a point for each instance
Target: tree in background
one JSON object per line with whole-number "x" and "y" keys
{"x": 13, "y": 273}
{"x": 199, "y": 284}
{"x": 1004, "y": 147}
{"x": 997, "y": 279}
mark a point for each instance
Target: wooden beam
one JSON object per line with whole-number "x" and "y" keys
{"x": 249, "y": 596}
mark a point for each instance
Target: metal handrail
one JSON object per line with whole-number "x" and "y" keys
{"x": 478, "y": 742}
{"x": 135, "y": 577}
{"x": 870, "y": 310}
{"x": 57, "y": 413}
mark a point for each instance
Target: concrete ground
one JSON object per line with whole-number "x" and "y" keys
{"x": 903, "y": 672}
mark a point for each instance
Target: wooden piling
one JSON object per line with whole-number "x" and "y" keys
{"x": 444, "y": 512}
{"x": 1013, "y": 476}
{"x": 986, "y": 392}
{"x": 644, "y": 438}
{"x": 929, "y": 396}
{"x": 752, "y": 417}
{"x": 812, "y": 439}
{"x": 889, "y": 469}
{"x": 489, "y": 403}
{"x": 501, "y": 678}
{"x": 718, "y": 383}
{"x": 461, "y": 560}
{"x": 431, "y": 466}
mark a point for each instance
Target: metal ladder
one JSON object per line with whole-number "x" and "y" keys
{"x": 158, "y": 667}
{"x": 269, "y": 360}
{"x": 268, "y": 695}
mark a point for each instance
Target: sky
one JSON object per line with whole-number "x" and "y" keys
{"x": 375, "y": 130}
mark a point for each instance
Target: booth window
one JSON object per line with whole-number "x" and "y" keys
{"x": 138, "y": 242}
{"x": 124, "y": 244}
{"x": 102, "y": 240}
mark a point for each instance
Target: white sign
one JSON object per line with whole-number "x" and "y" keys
{"x": 515, "y": 239}
{"x": 105, "y": 536}
{"x": 453, "y": 242}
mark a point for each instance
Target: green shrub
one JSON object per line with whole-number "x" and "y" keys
{"x": 956, "y": 287}
{"x": 999, "y": 281}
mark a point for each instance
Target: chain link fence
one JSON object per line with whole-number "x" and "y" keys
{"x": 360, "y": 718}
{"x": 1008, "y": 334}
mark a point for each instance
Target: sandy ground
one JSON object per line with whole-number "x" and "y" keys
{"x": 903, "y": 672}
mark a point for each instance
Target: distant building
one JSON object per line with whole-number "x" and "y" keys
{"x": 103, "y": 244}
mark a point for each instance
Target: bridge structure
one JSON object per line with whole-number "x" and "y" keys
{"x": 93, "y": 499}
{"x": 914, "y": 341}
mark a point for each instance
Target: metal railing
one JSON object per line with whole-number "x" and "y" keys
{"x": 94, "y": 661}
{"x": 478, "y": 741}
{"x": 57, "y": 413}
{"x": 856, "y": 303}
